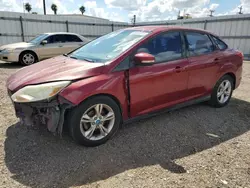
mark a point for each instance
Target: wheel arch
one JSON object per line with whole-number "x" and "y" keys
{"x": 115, "y": 99}
{"x": 232, "y": 75}
{"x": 25, "y": 51}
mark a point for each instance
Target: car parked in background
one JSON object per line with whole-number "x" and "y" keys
{"x": 125, "y": 75}
{"x": 43, "y": 46}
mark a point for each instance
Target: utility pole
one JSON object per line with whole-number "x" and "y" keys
{"x": 134, "y": 20}
{"x": 179, "y": 15}
{"x": 240, "y": 12}
{"x": 44, "y": 7}
{"x": 211, "y": 13}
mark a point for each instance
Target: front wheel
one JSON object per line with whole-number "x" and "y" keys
{"x": 94, "y": 121}
{"x": 222, "y": 92}
{"x": 28, "y": 58}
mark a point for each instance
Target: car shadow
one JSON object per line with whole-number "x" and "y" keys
{"x": 38, "y": 159}
{"x": 13, "y": 65}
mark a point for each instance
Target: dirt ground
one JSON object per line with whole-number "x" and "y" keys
{"x": 197, "y": 146}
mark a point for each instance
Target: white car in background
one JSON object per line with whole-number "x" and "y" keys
{"x": 43, "y": 46}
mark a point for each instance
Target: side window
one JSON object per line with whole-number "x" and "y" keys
{"x": 73, "y": 38}
{"x": 59, "y": 38}
{"x": 50, "y": 39}
{"x": 55, "y": 39}
{"x": 165, "y": 47}
{"x": 198, "y": 43}
{"x": 221, "y": 45}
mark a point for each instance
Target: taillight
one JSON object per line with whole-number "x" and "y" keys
{"x": 239, "y": 53}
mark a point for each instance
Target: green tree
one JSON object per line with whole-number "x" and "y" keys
{"x": 82, "y": 9}
{"x": 27, "y": 7}
{"x": 54, "y": 8}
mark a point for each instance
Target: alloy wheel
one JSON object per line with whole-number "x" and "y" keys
{"x": 224, "y": 91}
{"x": 28, "y": 59}
{"x": 97, "y": 122}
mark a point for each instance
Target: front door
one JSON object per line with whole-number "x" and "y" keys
{"x": 163, "y": 83}
{"x": 54, "y": 47}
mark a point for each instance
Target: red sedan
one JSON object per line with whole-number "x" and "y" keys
{"x": 122, "y": 76}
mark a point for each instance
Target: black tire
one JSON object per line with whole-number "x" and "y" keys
{"x": 75, "y": 115}
{"x": 214, "y": 101}
{"x": 31, "y": 54}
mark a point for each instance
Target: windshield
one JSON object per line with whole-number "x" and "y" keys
{"x": 38, "y": 39}
{"x": 109, "y": 46}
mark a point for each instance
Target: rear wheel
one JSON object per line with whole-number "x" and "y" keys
{"x": 28, "y": 58}
{"x": 222, "y": 92}
{"x": 94, "y": 121}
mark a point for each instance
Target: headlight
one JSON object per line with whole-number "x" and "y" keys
{"x": 6, "y": 50}
{"x": 39, "y": 92}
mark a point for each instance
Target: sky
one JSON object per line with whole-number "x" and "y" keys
{"x": 123, "y": 10}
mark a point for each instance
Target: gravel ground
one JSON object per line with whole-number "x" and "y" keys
{"x": 197, "y": 146}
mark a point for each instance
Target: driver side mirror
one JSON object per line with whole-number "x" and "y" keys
{"x": 144, "y": 59}
{"x": 44, "y": 42}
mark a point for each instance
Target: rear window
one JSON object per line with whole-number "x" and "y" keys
{"x": 221, "y": 45}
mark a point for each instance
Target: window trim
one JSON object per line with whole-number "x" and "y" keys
{"x": 183, "y": 53}
{"x": 199, "y": 32}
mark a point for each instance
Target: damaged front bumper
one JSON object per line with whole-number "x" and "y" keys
{"x": 50, "y": 113}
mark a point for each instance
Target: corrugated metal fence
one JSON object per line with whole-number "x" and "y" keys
{"x": 234, "y": 29}
{"x": 17, "y": 27}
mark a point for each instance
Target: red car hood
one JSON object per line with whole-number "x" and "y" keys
{"x": 55, "y": 69}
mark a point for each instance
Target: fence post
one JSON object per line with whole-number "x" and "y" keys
{"x": 112, "y": 26}
{"x": 22, "y": 32}
{"x": 205, "y": 25}
{"x": 67, "y": 26}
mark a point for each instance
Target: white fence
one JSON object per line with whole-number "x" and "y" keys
{"x": 17, "y": 27}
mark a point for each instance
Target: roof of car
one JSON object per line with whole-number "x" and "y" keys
{"x": 159, "y": 28}
{"x": 53, "y": 33}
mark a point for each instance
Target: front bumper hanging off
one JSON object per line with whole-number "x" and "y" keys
{"x": 50, "y": 113}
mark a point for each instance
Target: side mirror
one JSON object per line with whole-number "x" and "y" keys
{"x": 44, "y": 42}
{"x": 144, "y": 59}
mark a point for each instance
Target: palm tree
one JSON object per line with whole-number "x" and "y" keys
{"x": 27, "y": 7}
{"x": 82, "y": 9}
{"x": 54, "y": 8}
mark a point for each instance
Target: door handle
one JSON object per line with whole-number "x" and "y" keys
{"x": 216, "y": 60}
{"x": 60, "y": 46}
{"x": 178, "y": 69}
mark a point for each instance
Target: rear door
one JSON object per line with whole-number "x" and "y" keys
{"x": 204, "y": 63}
{"x": 163, "y": 83}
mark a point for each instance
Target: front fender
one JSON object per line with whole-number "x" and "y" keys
{"x": 112, "y": 84}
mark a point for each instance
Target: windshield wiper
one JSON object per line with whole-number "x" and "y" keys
{"x": 87, "y": 59}
{"x": 73, "y": 57}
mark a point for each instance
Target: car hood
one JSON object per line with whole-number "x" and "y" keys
{"x": 16, "y": 45}
{"x": 54, "y": 69}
